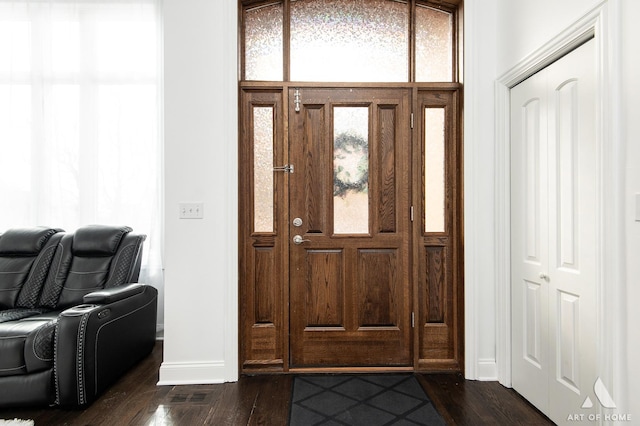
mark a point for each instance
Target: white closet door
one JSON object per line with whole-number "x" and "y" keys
{"x": 554, "y": 241}
{"x": 530, "y": 240}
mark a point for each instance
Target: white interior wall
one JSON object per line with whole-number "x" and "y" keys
{"x": 200, "y": 57}
{"x": 525, "y": 25}
{"x": 479, "y": 214}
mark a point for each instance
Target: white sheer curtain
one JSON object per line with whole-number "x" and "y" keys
{"x": 80, "y": 117}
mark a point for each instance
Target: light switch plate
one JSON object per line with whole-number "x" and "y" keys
{"x": 191, "y": 210}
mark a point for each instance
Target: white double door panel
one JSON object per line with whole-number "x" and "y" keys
{"x": 554, "y": 208}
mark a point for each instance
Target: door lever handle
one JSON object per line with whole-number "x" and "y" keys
{"x": 544, "y": 276}
{"x": 287, "y": 168}
{"x": 297, "y": 239}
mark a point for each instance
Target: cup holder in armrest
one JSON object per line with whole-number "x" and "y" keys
{"x": 78, "y": 310}
{"x": 84, "y": 307}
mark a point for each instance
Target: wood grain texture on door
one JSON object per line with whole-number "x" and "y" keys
{"x": 262, "y": 232}
{"x": 350, "y": 282}
{"x": 437, "y": 233}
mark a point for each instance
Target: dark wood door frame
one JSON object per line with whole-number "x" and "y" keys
{"x": 436, "y": 276}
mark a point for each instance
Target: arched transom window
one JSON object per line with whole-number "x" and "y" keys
{"x": 349, "y": 41}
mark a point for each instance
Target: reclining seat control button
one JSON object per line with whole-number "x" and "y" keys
{"x": 103, "y": 314}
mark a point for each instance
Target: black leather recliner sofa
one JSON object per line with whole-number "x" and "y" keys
{"x": 72, "y": 317}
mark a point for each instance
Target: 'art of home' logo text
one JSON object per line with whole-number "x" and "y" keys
{"x": 604, "y": 398}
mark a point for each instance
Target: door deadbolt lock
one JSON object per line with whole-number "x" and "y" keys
{"x": 297, "y": 222}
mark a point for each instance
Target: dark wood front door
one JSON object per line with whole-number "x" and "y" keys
{"x": 350, "y": 227}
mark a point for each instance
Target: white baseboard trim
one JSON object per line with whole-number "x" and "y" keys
{"x": 487, "y": 370}
{"x": 192, "y": 373}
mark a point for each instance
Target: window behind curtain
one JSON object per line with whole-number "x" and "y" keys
{"x": 80, "y": 117}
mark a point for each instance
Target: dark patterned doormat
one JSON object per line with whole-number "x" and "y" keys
{"x": 353, "y": 400}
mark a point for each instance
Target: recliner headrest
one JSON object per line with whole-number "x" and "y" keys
{"x": 25, "y": 241}
{"x": 98, "y": 240}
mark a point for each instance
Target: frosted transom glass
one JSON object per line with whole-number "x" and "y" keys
{"x": 263, "y": 43}
{"x": 434, "y": 198}
{"x": 349, "y": 40}
{"x": 263, "y": 169}
{"x": 434, "y": 45}
{"x": 351, "y": 170}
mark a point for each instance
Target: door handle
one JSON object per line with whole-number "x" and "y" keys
{"x": 544, "y": 276}
{"x": 287, "y": 168}
{"x": 297, "y": 239}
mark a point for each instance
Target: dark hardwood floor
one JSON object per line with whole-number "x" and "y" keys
{"x": 264, "y": 400}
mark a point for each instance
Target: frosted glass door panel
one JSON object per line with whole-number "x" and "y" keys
{"x": 351, "y": 170}
{"x": 434, "y": 45}
{"x": 346, "y": 40}
{"x": 263, "y": 49}
{"x": 434, "y": 170}
{"x": 263, "y": 169}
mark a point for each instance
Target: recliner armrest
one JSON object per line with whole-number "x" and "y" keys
{"x": 113, "y": 294}
{"x": 98, "y": 341}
